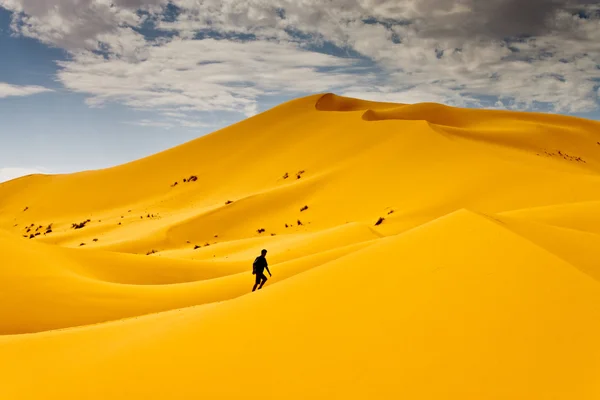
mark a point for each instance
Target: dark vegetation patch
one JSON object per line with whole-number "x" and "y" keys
{"x": 299, "y": 174}
{"x": 27, "y": 208}
{"x": 196, "y": 247}
{"x": 261, "y": 230}
{"x": 80, "y": 225}
{"x": 95, "y": 240}
{"x": 299, "y": 223}
{"x": 304, "y": 208}
{"x": 192, "y": 178}
{"x": 286, "y": 175}
{"x": 379, "y": 221}
{"x": 81, "y": 244}
{"x": 273, "y": 234}
{"x": 228, "y": 202}
{"x": 565, "y": 156}
{"x": 391, "y": 212}
{"x": 151, "y": 252}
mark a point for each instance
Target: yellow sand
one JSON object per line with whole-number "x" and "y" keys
{"x": 482, "y": 281}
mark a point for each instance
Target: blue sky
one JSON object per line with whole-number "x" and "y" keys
{"x": 88, "y": 84}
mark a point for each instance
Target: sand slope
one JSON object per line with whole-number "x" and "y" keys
{"x": 482, "y": 281}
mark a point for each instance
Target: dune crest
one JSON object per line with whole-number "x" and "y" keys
{"x": 418, "y": 251}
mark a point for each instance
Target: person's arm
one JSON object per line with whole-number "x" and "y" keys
{"x": 267, "y": 267}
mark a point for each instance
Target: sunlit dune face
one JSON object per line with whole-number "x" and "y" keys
{"x": 417, "y": 251}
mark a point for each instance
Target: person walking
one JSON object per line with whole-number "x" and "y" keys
{"x": 258, "y": 268}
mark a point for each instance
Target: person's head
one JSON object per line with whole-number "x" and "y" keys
{"x": 263, "y": 252}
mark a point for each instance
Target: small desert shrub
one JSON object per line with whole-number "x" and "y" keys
{"x": 48, "y": 231}
{"x": 287, "y": 226}
{"x": 192, "y": 178}
{"x": 391, "y": 212}
{"x": 27, "y": 208}
{"x": 80, "y": 225}
{"x": 95, "y": 240}
{"x": 175, "y": 184}
{"x": 299, "y": 223}
{"x": 286, "y": 175}
{"x": 273, "y": 234}
{"x": 151, "y": 252}
{"x": 31, "y": 236}
{"x": 379, "y": 221}
{"x": 304, "y": 208}
{"x": 228, "y": 202}
{"x": 260, "y": 230}
{"x": 196, "y": 247}
{"x": 81, "y": 244}
{"x": 37, "y": 234}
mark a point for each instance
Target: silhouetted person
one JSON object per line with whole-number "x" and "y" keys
{"x": 258, "y": 269}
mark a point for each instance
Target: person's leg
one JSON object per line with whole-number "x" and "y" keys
{"x": 264, "y": 279}
{"x": 256, "y": 282}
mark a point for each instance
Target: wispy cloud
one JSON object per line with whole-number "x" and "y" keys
{"x": 510, "y": 53}
{"x": 205, "y": 75}
{"x": 8, "y": 90}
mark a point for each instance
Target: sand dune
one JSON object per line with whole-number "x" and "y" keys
{"x": 480, "y": 281}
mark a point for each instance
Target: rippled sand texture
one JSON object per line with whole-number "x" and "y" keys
{"x": 480, "y": 280}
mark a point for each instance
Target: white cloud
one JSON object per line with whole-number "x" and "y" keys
{"x": 9, "y": 173}
{"x": 448, "y": 51}
{"x": 205, "y": 75}
{"x": 8, "y": 90}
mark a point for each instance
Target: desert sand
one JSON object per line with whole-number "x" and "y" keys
{"x": 441, "y": 253}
